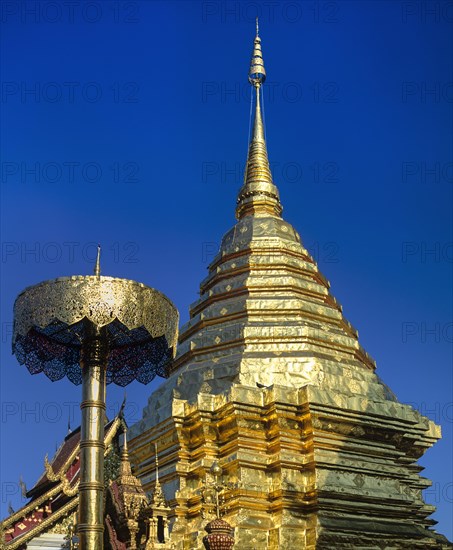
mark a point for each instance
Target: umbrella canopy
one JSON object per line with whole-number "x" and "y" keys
{"x": 52, "y": 320}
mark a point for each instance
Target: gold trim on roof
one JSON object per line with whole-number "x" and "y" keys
{"x": 61, "y": 485}
{"x": 29, "y": 535}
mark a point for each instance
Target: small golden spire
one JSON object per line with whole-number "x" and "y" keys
{"x": 125, "y": 465}
{"x": 131, "y": 493}
{"x": 97, "y": 267}
{"x": 157, "y": 462}
{"x": 258, "y": 195}
{"x": 125, "y": 451}
{"x": 158, "y": 495}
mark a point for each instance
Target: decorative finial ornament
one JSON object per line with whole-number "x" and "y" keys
{"x": 97, "y": 267}
{"x": 258, "y": 196}
{"x": 23, "y": 488}
{"x": 125, "y": 451}
{"x": 157, "y": 462}
{"x": 257, "y": 73}
{"x": 257, "y": 28}
{"x": 125, "y": 466}
{"x": 123, "y": 406}
{"x": 158, "y": 495}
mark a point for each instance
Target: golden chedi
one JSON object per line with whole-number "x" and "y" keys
{"x": 271, "y": 382}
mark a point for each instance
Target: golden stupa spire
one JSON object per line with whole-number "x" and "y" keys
{"x": 258, "y": 195}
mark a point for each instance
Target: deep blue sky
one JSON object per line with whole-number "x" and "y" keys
{"x": 148, "y": 102}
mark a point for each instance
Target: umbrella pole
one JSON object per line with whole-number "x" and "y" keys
{"x": 92, "y": 447}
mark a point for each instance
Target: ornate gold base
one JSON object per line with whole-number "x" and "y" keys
{"x": 307, "y": 468}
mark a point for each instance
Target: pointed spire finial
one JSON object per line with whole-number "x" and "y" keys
{"x": 97, "y": 267}
{"x": 125, "y": 451}
{"x": 257, "y": 28}
{"x": 23, "y": 487}
{"x": 125, "y": 465}
{"x": 158, "y": 495}
{"x": 257, "y": 73}
{"x": 258, "y": 195}
{"x": 157, "y": 462}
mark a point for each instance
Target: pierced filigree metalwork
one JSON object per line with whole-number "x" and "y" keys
{"x": 141, "y": 327}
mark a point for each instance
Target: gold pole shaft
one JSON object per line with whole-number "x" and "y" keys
{"x": 92, "y": 447}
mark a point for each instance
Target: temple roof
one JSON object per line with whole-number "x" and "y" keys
{"x": 55, "y": 495}
{"x": 66, "y": 449}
